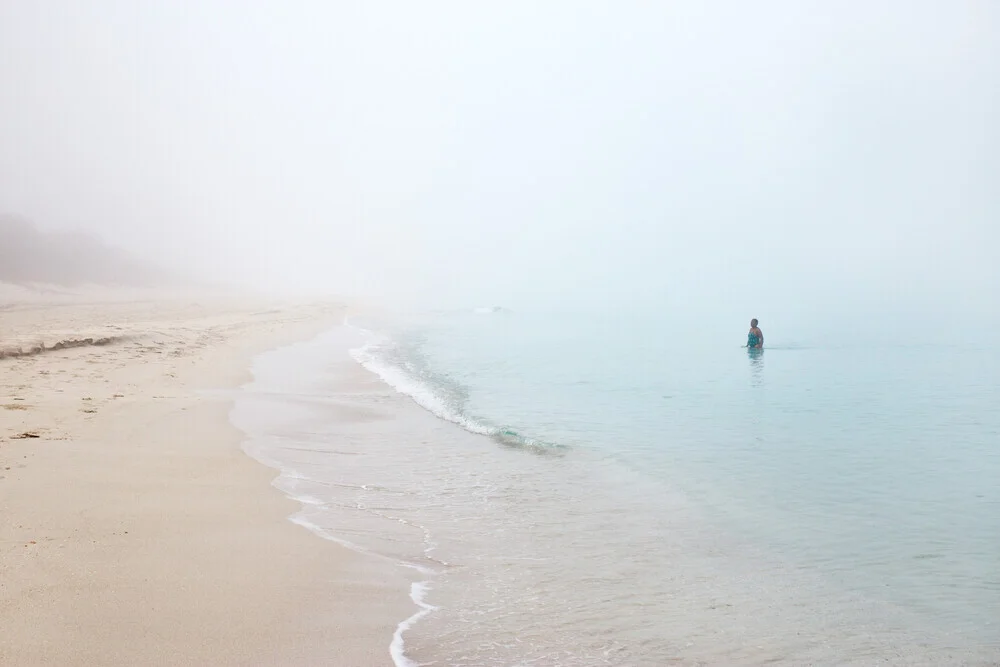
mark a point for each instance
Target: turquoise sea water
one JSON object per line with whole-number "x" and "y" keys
{"x": 597, "y": 489}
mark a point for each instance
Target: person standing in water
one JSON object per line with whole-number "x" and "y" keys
{"x": 755, "y": 339}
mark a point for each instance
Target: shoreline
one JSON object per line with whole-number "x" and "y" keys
{"x": 287, "y": 413}
{"x": 136, "y": 529}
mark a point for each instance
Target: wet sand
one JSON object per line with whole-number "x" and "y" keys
{"x": 133, "y": 528}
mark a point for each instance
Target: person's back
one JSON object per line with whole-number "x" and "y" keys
{"x": 755, "y": 339}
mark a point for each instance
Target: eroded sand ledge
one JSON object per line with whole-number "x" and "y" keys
{"x": 133, "y": 529}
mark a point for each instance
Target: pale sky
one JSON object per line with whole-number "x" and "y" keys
{"x": 770, "y": 156}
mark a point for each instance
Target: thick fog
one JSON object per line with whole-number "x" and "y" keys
{"x": 792, "y": 158}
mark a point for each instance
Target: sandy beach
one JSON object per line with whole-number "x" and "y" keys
{"x": 134, "y": 529}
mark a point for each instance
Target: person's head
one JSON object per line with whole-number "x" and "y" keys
{"x": 753, "y": 322}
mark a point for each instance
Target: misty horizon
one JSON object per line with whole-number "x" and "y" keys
{"x": 799, "y": 161}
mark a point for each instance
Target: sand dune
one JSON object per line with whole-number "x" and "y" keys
{"x": 32, "y": 256}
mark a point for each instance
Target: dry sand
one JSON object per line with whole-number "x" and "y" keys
{"x": 133, "y": 528}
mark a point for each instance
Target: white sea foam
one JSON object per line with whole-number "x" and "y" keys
{"x": 422, "y": 393}
{"x": 307, "y": 500}
{"x": 405, "y": 383}
{"x": 400, "y": 376}
{"x": 418, "y": 591}
{"x": 301, "y": 520}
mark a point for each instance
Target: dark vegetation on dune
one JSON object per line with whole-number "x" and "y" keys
{"x": 30, "y": 255}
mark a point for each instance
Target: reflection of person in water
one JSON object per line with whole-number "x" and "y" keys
{"x": 755, "y": 339}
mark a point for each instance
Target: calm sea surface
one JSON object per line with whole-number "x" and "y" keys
{"x": 591, "y": 490}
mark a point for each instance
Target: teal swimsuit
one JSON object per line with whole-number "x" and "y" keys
{"x": 753, "y": 340}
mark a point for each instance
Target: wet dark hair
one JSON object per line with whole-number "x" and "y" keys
{"x": 753, "y": 322}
